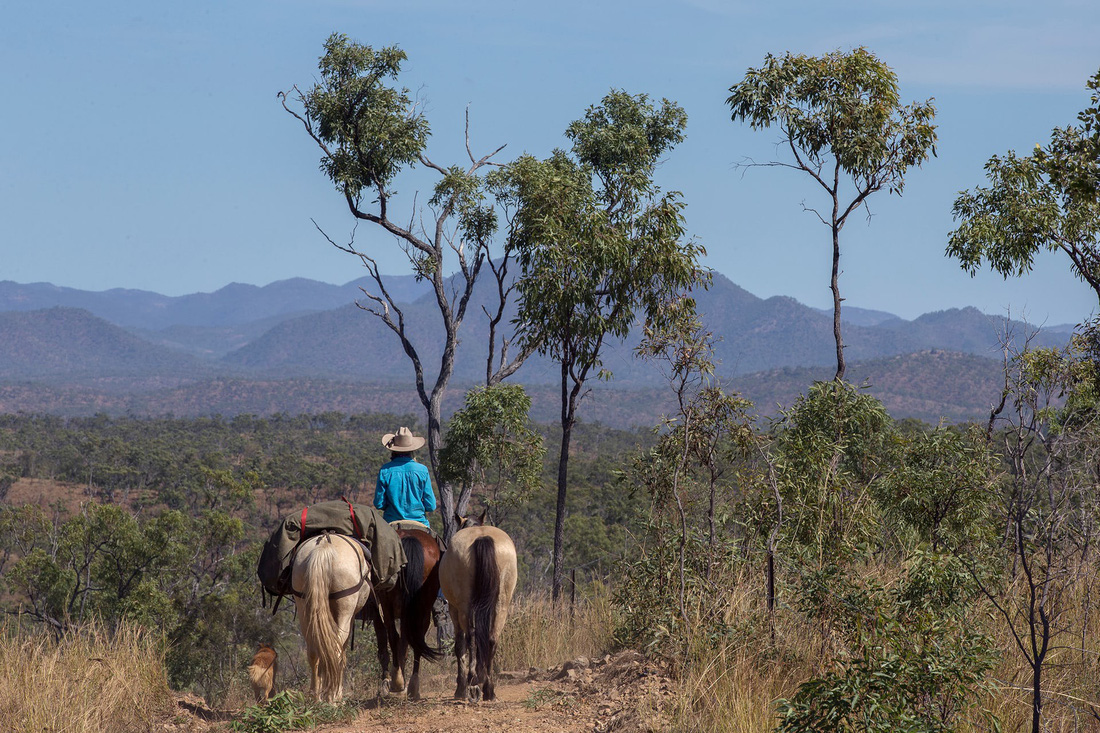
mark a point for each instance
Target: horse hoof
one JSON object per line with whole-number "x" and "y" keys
{"x": 383, "y": 688}
{"x": 473, "y": 694}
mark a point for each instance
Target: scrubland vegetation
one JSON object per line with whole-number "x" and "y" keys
{"x": 922, "y": 577}
{"x": 828, "y": 570}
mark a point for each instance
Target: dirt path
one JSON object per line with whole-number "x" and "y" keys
{"x": 624, "y": 693}
{"x": 520, "y": 707}
{"x": 621, "y": 693}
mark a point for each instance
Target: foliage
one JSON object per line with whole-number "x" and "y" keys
{"x": 940, "y": 487}
{"x": 842, "y": 108}
{"x": 916, "y": 663}
{"x": 1049, "y": 200}
{"x": 368, "y": 131}
{"x": 838, "y": 114}
{"x": 491, "y": 444}
{"x": 599, "y": 245}
{"x": 191, "y": 577}
{"x": 290, "y": 710}
{"x": 830, "y": 448}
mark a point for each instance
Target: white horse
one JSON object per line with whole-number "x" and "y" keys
{"x": 331, "y": 582}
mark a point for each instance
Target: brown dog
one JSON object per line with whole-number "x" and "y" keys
{"x": 261, "y": 673}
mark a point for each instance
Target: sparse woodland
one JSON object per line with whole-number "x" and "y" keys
{"x": 829, "y": 569}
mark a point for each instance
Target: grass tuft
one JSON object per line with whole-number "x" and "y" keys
{"x": 89, "y": 681}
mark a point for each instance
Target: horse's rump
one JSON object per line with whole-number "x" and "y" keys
{"x": 416, "y": 609}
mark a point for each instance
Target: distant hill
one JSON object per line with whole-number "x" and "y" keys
{"x": 929, "y": 386}
{"x": 279, "y": 348}
{"x": 860, "y": 316}
{"x": 754, "y": 335}
{"x": 72, "y": 343}
{"x": 235, "y": 304}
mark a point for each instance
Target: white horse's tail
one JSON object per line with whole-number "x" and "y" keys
{"x": 320, "y": 626}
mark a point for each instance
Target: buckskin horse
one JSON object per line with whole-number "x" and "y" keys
{"x": 478, "y": 576}
{"x": 410, "y": 601}
{"x": 331, "y": 582}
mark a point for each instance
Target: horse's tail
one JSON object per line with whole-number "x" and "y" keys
{"x": 414, "y": 620}
{"x": 483, "y": 602}
{"x": 320, "y": 625}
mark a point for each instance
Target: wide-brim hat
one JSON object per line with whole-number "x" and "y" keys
{"x": 403, "y": 441}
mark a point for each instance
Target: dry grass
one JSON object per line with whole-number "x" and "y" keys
{"x": 1071, "y": 675}
{"x": 538, "y": 634}
{"x": 732, "y": 687}
{"x": 89, "y": 682}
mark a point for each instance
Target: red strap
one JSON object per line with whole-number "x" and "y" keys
{"x": 302, "y": 533}
{"x": 354, "y": 522}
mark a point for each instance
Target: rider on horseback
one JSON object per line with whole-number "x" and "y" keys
{"x": 404, "y": 488}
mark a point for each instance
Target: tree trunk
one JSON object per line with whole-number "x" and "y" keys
{"x": 567, "y": 417}
{"x": 435, "y": 445}
{"x": 1037, "y": 698}
{"x": 835, "y": 287}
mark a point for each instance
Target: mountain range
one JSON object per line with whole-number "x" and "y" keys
{"x": 302, "y": 346}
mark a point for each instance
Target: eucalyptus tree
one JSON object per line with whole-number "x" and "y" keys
{"x": 1049, "y": 200}
{"x": 369, "y": 131}
{"x": 599, "y": 246}
{"x": 491, "y": 444}
{"x": 841, "y": 119}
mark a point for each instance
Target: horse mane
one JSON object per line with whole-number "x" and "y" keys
{"x": 483, "y": 600}
{"x": 320, "y": 625}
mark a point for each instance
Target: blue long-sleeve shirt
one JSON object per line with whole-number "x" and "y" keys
{"x": 404, "y": 491}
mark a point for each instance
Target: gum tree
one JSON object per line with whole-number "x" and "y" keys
{"x": 369, "y": 131}
{"x": 599, "y": 246}
{"x": 1049, "y": 200}
{"x": 840, "y": 117}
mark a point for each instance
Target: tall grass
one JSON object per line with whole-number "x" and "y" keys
{"x": 540, "y": 634}
{"x": 731, "y": 686}
{"x": 88, "y": 682}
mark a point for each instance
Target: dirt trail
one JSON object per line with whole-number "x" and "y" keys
{"x": 621, "y": 693}
{"x": 520, "y": 707}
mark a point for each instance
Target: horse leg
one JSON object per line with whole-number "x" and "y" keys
{"x": 344, "y": 621}
{"x": 463, "y": 661}
{"x": 414, "y": 681}
{"x": 485, "y": 673}
{"x": 311, "y": 657}
{"x": 418, "y": 629}
{"x": 398, "y": 647}
{"x": 383, "y": 655}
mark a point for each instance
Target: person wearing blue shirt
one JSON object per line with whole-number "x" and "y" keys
{"x": 404, "y": 488}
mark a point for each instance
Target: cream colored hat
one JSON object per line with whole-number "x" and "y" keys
{"x": 403, "y": 441}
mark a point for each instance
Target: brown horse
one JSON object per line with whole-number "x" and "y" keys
{"x": 478, "y": 576}
{"x": 331, "y": 582}
{"x": 410, "y": 602}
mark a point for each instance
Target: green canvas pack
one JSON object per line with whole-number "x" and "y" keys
{"x": 355, "y": 520}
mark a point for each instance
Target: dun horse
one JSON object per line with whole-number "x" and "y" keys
{"x": 410, "y": 602}
{"x": 331, "y": 584}
{"x": 478, "y": 576}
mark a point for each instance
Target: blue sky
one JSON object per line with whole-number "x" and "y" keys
{"x": 143, "y": 145}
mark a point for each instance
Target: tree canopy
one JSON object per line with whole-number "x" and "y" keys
{"x": 600, "y": 246}
{"x": 841, "y": 117}
{"x": 1049, "y": 200}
